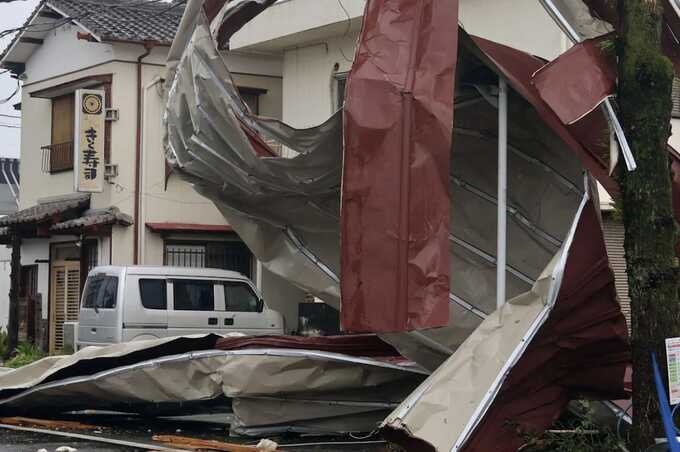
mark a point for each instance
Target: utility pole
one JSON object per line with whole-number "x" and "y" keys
{"x": 645, "y": 78}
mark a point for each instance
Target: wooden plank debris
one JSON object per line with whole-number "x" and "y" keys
{"x": 182, "y": 442}
{"x": 45, "y": 423}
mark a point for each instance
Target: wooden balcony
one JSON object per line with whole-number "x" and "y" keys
{"x": 57, "y": 157}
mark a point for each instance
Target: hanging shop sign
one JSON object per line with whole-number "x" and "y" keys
{"x": 89, "y": 140}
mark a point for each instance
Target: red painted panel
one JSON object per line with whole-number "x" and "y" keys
{"x": 576, "y": 82}
{"x": 395, "y": 199}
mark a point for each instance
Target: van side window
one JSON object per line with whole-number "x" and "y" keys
{"x": 240, "y": 297}
{"x": 153, "y": 293}
{"x": 193, "y": 295}
{"x": 100, "y": 292}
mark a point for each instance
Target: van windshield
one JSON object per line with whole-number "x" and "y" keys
{"x": 100, "y": 292}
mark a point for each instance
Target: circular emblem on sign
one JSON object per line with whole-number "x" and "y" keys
{"x": 92, "y": 104}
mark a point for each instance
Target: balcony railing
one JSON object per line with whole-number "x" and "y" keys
{"x": 57, "y": 157}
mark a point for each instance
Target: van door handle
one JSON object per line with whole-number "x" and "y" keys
{"x": 229, "y": 321}
{"x": 93, "y": 330}
{"x": 212, "y": 321}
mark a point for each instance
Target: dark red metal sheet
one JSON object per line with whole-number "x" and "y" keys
{"x": 518, "y": 67}
{"x": 577, "y": 81}
{"x": 395, "y": 197}
{"x": 581, "y": 351}
{"x": 368, "y": 345}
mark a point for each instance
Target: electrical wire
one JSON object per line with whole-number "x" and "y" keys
{"x": 347, "y": 30}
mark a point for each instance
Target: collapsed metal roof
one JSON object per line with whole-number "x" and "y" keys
{"x": 289, "y": 213}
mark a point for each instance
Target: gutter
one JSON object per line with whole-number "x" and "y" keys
{"x": 148, "y": 46}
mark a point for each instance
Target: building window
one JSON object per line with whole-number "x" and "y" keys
{"x": 91, "y": 254}
{"x": 58, "y": 155}
{"x": 340, "y": 86}
{"x": 233, "y": 255}
{"x": 251, "y": 96}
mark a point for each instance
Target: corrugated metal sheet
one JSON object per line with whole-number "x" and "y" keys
{"x": 613, "y": 237}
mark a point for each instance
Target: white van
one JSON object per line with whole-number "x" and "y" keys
{"x": 128, "y": 303}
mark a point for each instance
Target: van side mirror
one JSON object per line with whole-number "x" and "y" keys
{"x": 260, "y": 305}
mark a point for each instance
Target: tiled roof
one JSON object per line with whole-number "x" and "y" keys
{"x": 94, "y": 217}
{"x": 46, "y": 210}
{"x": 126, "y": 20}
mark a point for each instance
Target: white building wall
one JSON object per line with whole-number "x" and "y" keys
{"x": 309, "y": 79}
{"x": 675, "y": 137}
{"x": 5, "y": 271}
{"x": 62, "y": 53}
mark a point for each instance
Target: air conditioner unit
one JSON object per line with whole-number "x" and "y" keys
{"x": 70, "y": 335}
{"x": 110, "y": 171}
{"x": 112, "y": 114}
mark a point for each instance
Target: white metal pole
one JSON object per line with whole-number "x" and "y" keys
{"x": 501, "y": 244}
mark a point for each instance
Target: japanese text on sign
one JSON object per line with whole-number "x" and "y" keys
{"x": 90, "y": 121}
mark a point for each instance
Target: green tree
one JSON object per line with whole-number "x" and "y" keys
{"x": 644, "y": 97}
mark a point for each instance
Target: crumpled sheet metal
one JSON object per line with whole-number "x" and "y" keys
{"x": 546, "y": 188}
{"x": 446, "y": 408}
{"x": 293, "y": 229}
{"x": 315, "y": 386}
{"x": 594, "y": 18}
{"x": 285, "y": 210}
{"x": 95, "y": 359}
{"x": 586, "y": 76}
{"x": 590, "y": 358}
{"x": 398, "y": 130}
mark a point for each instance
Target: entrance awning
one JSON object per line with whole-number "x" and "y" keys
{"x": 189, "y": 227}
{"x": 68, "y": 214}
{"x": 47, "y": 210}
{"x": 92, "y": 220}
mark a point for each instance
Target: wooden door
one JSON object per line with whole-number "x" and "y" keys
{"x": 64, "y": 300}
{"x": 63, "y": 119}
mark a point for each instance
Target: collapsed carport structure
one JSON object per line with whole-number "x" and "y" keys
{"x": 400, "y": 205}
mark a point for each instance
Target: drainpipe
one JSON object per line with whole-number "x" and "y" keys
{"x": 142, "y": 178}
{"x": 148, "y": 46}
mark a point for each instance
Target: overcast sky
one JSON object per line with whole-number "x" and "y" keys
{"x": 12, "y": 15}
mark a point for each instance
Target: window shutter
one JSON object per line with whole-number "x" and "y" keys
{"x": 676, "y": 97}
{"x": 613, "y": 237}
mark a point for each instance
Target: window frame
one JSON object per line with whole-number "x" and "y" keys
{"x": 339, "y": 79}
{"x": 205, "y": 244}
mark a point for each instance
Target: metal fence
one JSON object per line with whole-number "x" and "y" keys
{"x": 57, "y": 157}
{"x": 233, "y": 256}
